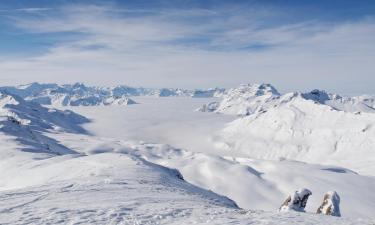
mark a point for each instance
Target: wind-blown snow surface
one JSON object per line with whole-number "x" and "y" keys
{"x": 115, "y": 180}
{"x": 107, "y": 189}
{"x": 117, "y": 189}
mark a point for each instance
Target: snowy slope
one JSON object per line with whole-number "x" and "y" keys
{"x": 27, "y": 122}
{"x": 120, "y": 181}
{"x": 251, "y": 183}
{"x": 118, "y": 189}
{"x": 305, "y": 130}
{"x": 105, "y": 188}
{"x": 368, "y": 99}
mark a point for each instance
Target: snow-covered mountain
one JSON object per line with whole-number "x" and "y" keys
{"x": 368, "y": 99}
{"x": 79, "y": 94}
{"x": 65, "y": 174}
{"x": 305, "y": 130}
{"x": 244, "y": 100}
{"x": 252, "y": 98}
{"x": 213, "y": 92}
{"x": 315, "y": 127}
{"x": 27, "y": 121}
{"x": 347, "y": 104}
{"x": 69, "y": 95}
{"x": 55, "y": 171}
{"x": 252, "y": 183}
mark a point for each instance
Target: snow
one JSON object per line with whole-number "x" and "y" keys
{"x": 300, "y": 129}
{"x": 263, "y": 184}
{"x": 213, "y": 92}
{"x": 79, "y": 94}
{"x": 63, "y": 95}
{"x": 28, "y": 122}
{"x": 244, "y": 100}
{"x": 162, "y": 162}
{"x": 347, "y": 104}
{"x": 330, "y": 204}
{"x": 107, "y": 188}
{"x": 116, "y": 187}
{"x": 315, "y": 127}
{"x": 207, "y": 164}
{"x": 248, "y": 99}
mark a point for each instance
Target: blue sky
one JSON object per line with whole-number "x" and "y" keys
{"x": 295, "y": 45}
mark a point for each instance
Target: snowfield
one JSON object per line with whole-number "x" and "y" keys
{"x": 118, "y": 189}
{"x": 269, "y": 182}
{"x": 162, "y": 162}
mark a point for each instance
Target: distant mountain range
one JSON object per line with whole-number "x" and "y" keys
{"x": 79, "y": 94}
{"x": 248, "y": 99}
{"x": 314, "y": 127}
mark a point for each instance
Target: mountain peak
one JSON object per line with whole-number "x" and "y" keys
{"x": 257, "y": 89}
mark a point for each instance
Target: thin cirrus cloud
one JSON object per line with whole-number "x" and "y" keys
{"x": 192, "y": 48}
{"x": 33, "y": 9}
{"x": 26, "y": 10}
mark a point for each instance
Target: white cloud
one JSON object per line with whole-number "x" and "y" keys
{"x": 149, "y": 48}
{"x": 32, "y": 9}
